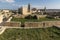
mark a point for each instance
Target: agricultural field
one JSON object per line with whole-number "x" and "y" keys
{"x": 52, "y": 33}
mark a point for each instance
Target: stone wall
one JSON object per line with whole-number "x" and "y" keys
{"x": 33, "y": 24}
{"x": 12, "y": 24}
{"x": 41, "y": 16}
{"x": 42, "y": 24}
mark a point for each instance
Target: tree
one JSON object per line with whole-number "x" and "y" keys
{"x": 31, "y": 17}
{"x": 28, "y": 17}
{"x": 35, "y": 17}
{"x": 34, "y": 9}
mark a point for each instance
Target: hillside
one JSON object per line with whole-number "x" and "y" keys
{"x": 52, "y": 33}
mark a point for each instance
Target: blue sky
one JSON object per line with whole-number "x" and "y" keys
{"x": 14, "y": 4}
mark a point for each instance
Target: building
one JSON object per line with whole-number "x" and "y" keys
{"x": 29, "y": 9}
{"x": 6, "y": 13}
{"x": 34, "y": 10}
{"x": 1, "y": 18}
{"x": 25, "y": 10}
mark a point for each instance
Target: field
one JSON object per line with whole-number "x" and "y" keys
{"x": 52, "y": 33}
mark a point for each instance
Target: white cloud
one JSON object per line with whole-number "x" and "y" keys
{"x": 9, "y": 1}
{"x": 16, "y": 5}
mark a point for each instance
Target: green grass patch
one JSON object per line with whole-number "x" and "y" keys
{"x": 52, "y": 33}
{"x": 33, "y": 20}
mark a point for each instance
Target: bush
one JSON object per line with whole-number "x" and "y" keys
{"x": 31, "y": 17}
{"x": 35, "y": 17}
{"x": 50, "y": 17}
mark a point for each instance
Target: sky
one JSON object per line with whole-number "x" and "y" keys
{"x": 15, "y": 4}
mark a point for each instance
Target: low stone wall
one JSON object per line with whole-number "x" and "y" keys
{"x": 42, "y": 24}
{"x": 12, "y": 24}
{"x": 33, "y": 24}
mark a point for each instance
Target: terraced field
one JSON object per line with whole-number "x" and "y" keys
{"x": 52, "y": 33}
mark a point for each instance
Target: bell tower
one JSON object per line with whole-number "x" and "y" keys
{"x": 29, "y": 7}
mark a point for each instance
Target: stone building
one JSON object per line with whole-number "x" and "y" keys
{"x": 25, "y": 10}
{"x": 1, "y": 18}
{"x": 6, "y": 13}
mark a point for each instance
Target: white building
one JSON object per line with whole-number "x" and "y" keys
{"x": 25, "y": 11}
{"x": 1, "y": 18}
{"x": 6, "y": 13}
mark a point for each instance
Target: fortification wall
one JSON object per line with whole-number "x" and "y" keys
{"x": 12, "y": 24}
{"x": 42, "y": 24}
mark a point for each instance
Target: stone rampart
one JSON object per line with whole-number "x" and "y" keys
{"x": 42, "y": 24}
{"x": 12, "y": 24}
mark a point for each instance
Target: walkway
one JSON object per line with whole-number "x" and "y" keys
{"x": 2, "y": 28}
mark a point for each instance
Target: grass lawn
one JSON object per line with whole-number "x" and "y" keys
{"x": 52, "y": 33}
{"x": 33, "y": 20}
